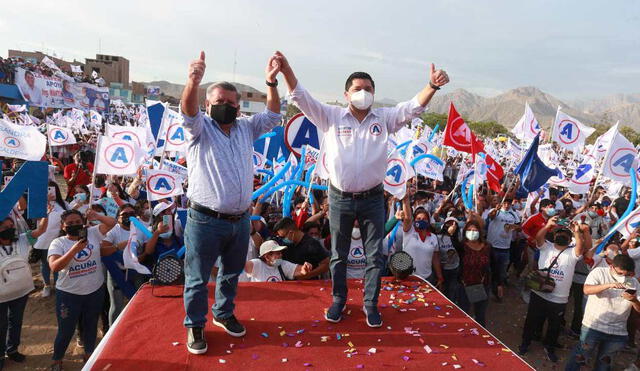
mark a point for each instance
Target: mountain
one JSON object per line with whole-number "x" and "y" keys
{"x": 622, "y": 107}
{"x": 175, "y": 90}
{"x": 508, "y": 107}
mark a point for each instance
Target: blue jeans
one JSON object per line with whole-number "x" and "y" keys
{"x": 370, "y": 215}
{"x": 46, "y": 270}
{"x": 11, "y": 313}
{"x": 604, "y": 346}
{"x": 206, "y": 239}
{"x": 116, "y": 299}
{"x": 69, "y": 307}
{"x": 501, "y": 258}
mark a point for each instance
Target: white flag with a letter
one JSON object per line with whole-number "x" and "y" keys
{"x": 20, "y": 141}
{"x": 117, "y": 157}
{"x": 399, "y": 172}
{"x": 59, "y": 136}
{"x": 162, "y": 184}
{"x": 570, "y": 133}
{"x": 620, "y": 159}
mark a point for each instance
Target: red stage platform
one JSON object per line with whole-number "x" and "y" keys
{"x": 286, "y": 330}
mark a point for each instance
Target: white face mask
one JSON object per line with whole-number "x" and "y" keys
{"x": 355, "y": 234}
{"x": 362, "y": 99}
{"x": 472, "y": 235}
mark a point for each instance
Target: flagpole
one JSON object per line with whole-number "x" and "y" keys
{"x": 93, "y": 175}
{"x": 606, "y": 156}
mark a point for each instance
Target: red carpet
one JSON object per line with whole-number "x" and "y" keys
{"x": 286, "y": 330}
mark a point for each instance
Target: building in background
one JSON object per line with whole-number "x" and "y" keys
{"x": 36, "y": 57}
{"x": 112, "y": 68}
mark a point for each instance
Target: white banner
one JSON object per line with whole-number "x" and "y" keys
{"x": 398, "y": 174}
{"x": 570, "y": 133}
{"x": 162, "y": 184}
{"x": 130, "y": 253}
{"x": 19, "y": 141}
{"x": 171, "y": 130}
{"x": 59, "y": 136}
{"x": 118, "y": 157}
{"x": 620, "y": 158}
{"x": 311, "y": 157}
{"x": 172, "y": 167}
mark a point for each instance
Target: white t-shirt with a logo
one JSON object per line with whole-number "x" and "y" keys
{"x": 420, "y": 251}
{"x": 561, "y": 272}
{"x": 356, "y": 260}
{"x": 263, "y": 272}
{"x": 497, "y": 236}
{"x": 83, "y": 275}
{"x": 449, "y": 257}
{"x": 608, "y": 311}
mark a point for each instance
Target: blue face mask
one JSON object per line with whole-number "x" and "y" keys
{"x": 551, "y": 211}
{"x": 277, "y": 262}
{"x": 80, "y": 197}
{"x": 287, "y": 241}
{"x": 421, "y": 225}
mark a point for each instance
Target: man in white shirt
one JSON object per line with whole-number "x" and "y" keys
{"x": 558, "y": 261}
{"x": 612, "y": 293}
{"x": 30, "y": 91}
{"x": 503, "y": 222}
{"x": 355, "y": 145}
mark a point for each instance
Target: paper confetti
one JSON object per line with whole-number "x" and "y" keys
{"x": 175, "y": 343}
{"x": 284, "y": 360}
{"x": 282, "y": 333}
{"x": 373, "y": 350}
{"x": 428, "y": 349}
{"x": 457, "y": 367}
{"x": 264, "y": 335}
{"x": 350, "y": 344}
{"x": 406, "y": 358}
{"x": 324, "y": 339}
{"x": 255, "y": 356}
{"x": 307, "y": 364}
{"x": 222, "y": 361}
{"x": 444, "y": 346}
{"x": 360, "y": 366}
{"x": 479, "y": 363}
{"x": 298, "y": 344}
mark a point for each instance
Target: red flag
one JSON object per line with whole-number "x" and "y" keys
{"x": 494, "y": 173}
{"x": 458, "y": 135}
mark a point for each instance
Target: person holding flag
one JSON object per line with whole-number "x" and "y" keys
{"x": 220, "y": 186}
{"x": 355, "y": 144}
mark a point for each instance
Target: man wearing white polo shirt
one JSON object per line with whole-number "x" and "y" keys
{"x": 356, "y": 153}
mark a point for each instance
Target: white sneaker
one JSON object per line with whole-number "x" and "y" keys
{"x": 46, "y": 292}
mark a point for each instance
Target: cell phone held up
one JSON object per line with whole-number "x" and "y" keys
{"x": 83, "y": 234}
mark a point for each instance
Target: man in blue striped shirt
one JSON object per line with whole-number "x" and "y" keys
{"x": 220, "y": 170}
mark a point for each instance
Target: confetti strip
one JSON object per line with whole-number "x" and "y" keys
{"x": 457, "y": 367}
{"x": 284, "y": 360}
{"x": 264, "y": 335}
{"x": 479, "y": 363}
{"x": 444, "y": 346}
{"x": 406, "y": 358}
{"x": 282, "y": 333}
{"x": 428, "y": 349}
{"x": 222, "y": 361}
{"x": 350, "y": 344}
{"x": 373, "y": 350}
{"x": 298, "y": 344}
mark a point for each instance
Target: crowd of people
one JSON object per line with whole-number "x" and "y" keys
{"x": 8, "y": 67}
{"x": 472, "y": 255}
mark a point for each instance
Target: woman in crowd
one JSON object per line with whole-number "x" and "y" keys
{"x": 79, "y": 292}
{"x": 270, "y": 267}
{"x": 448, "y": 246}
{"x": 58, "y": 206}
{"x": 421, "y": 243}
{"x": 163, "y": 240}
{"x": 14, "y": 293}
{"x": 475, "y": 256}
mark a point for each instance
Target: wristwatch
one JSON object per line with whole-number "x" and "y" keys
{"x": 433, "y": 86}
{"x": 272, "y": 84}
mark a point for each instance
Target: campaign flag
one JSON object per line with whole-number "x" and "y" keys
{"x": 619, "y": 159}
{"x": 135, "y": 134}
{"x": 173, "y": 132}
{"x": 431, "y": 168}
{"x": 627, "y": 225}
{"x": 163, "y": 184}
{"x": 533, "y": 172}
{"x": 599, "y": 148}
{"x": 495, "y": 173}
{"x": 49, "y": 63}
{"x": 20, "y": 141}
{"x": 322, "y": 170}
{"x": 457, "y": 133}
{"x": 172, "y": 167}
{"x": 258, "y": 161}
{"x": 117, "y": 156}
{"x": 95, "y": 119}
{"x": 418, "y": 147}
{"x": 76, "y": 69}
{"x": 59, "y": 136}
{"x": 580, "y": 182}
{"x": 311, "y": 156}
{"x": 398, "y": 174}
{"x": 568, "y": 132}
{"x": 130, "y": 253}
{"x": 527, "y": 127}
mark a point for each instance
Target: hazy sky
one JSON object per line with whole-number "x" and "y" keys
{"x": 571, "y": 49}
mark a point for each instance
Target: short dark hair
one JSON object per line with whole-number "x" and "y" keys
{"x": 358, "y": 75}
{"x": 224, "y": 85}
{"x": 624, "y": 262}
{"x": 125, "y": 206}
{"x": 546, "y": 202}
{"x": 286, "y": 224}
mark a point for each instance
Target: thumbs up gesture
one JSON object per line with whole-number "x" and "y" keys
{"x": 196, "y": 69}
{"x": 438, "y": 77}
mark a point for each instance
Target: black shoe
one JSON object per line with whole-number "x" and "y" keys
{"x": 230, "y": 325}
{"x": 558, "y": 346}
{"x": 523, "y": 349}
{"x": 374, "y": 319}
{"x": 551, "y": 354}
{"x": 334, "y": 313}
{"x": 196, "y": 342}
{"x": 16, "y": 357}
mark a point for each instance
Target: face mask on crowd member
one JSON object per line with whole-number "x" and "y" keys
{"x": 125, "y": 213}
{"x": 472, "y": 232}
{"x": 359, "y": 90}
{"x": 562, "y": 238}
{"x": 271, "y": 253}
{"x": 72, "y": 223}
{"x": 622, "y": 268}
{"x": 222, "y": 103}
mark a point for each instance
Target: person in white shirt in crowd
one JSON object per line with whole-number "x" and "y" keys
{"x": 612, "y": 295}
{"x": 630, "y": 247}
{"x": 53, "y": 231}
{"x": 30, "y": 91}
{"x": 503, "y": 222}
{"x": 448, "y": 246}
{"x": 79, "y": 292}
{"x": 270, "y": 267}
{"x": 80, "y": 200}
{"x": 419, "y": 241}
{"x": 115, "y": 241}
{"x": 355, "y": 138}
{"x": 14, "y": 291}
{"x": 558, "y": 259}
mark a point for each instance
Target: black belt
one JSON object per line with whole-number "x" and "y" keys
{"x": 205, "y": 210}
{"x": 379, "y": 189}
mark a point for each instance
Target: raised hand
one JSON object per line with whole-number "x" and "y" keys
{"x": 284, "y": 63}
{"x": 196, "y": 69}
{"x": 306, "y": 268}
{"x": 438, "y": 77}
{"x": 272, "y": 69}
